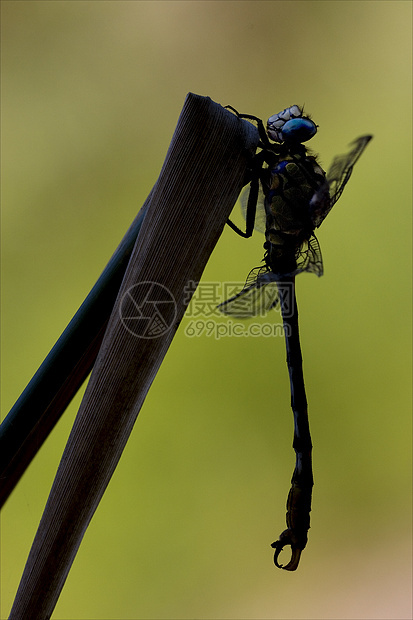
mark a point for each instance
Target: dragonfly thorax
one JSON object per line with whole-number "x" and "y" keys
{"x": 288, "y": 186}
{"x": 288, "y": 189}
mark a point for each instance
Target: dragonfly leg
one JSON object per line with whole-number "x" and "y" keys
{"x": 254, "y": 175}
{"x": 299, "y": 497}
{"x": 260, "y": 126}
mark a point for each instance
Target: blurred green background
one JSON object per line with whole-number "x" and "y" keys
{"x": 91, "y": 95}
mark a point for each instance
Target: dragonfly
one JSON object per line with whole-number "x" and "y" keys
{"x": 288, "y": 197}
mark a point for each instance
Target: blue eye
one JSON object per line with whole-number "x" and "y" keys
{"x": 298, "y": 130}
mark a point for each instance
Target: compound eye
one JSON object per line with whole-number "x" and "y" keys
{"x": 298, "y": 130}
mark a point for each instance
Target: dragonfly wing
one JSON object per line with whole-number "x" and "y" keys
{"x": 337, "y": 176}
{"x": 309, "y": 257}
{"x": 260, "y": 217}
{"x": 259, "y": 295}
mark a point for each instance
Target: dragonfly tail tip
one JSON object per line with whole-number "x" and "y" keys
{"x": 295, "y": 555}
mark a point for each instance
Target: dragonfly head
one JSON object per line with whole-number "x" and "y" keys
{"x": 291, "y": 126}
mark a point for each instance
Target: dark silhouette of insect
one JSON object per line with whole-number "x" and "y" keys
{"x": 288, "y": 198}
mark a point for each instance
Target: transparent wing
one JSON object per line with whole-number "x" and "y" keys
{"x": 309, "y": 257}
{"x": 260, "y": 217}
{"x": 259, "y": 295}
{"x": 337, "y": 176}
{"x": 342, "y": 167}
